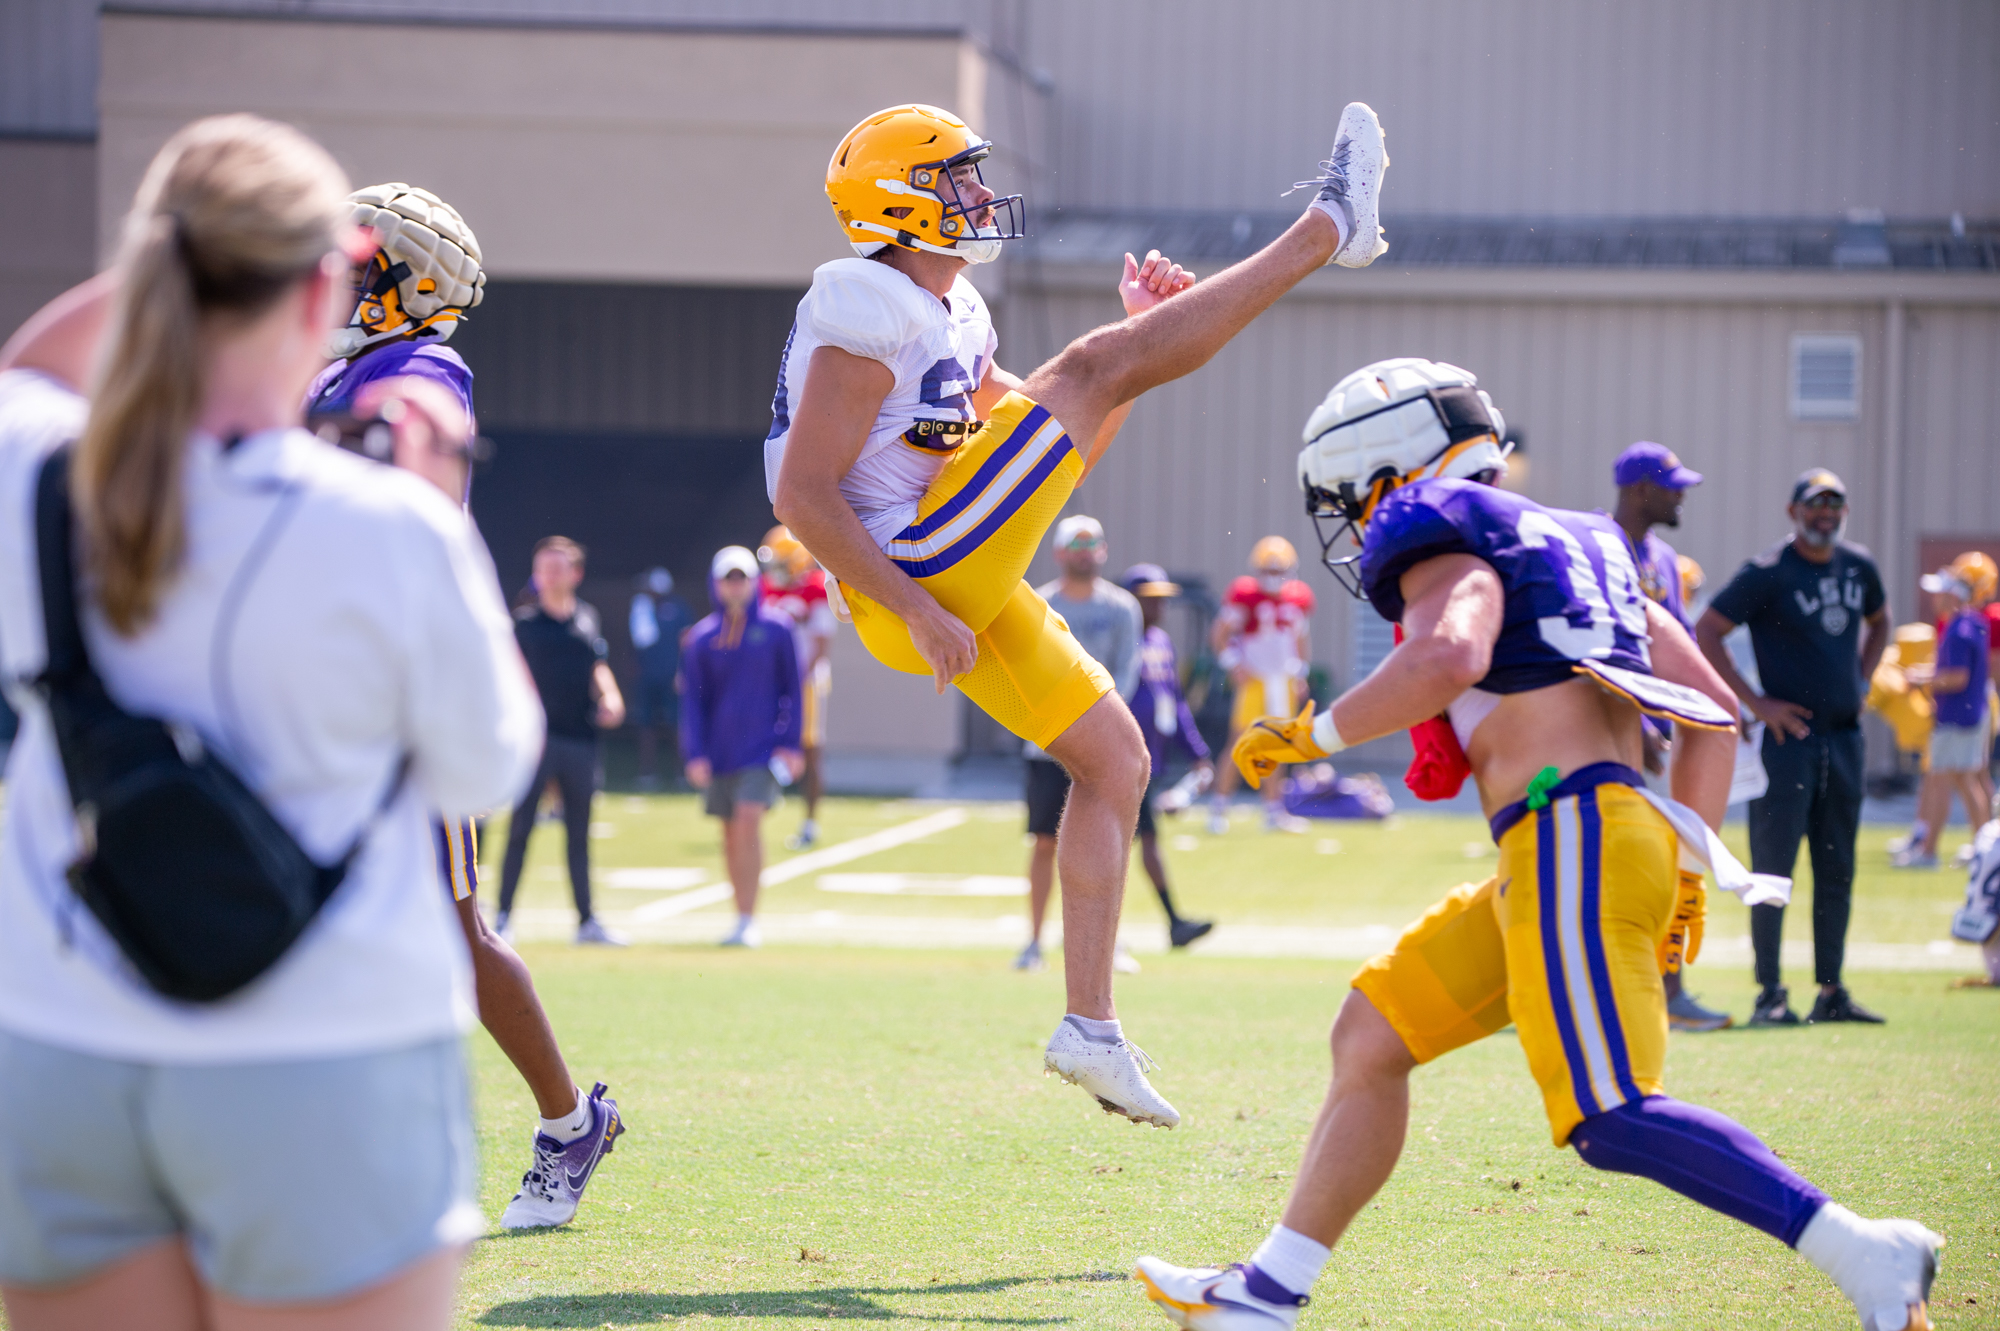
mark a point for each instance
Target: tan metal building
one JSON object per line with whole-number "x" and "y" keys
{"x": 1766, "y": 235}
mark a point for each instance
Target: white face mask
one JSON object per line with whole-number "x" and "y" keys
{"x": 1272, "y": 582}
{"x": 984, "y": 247}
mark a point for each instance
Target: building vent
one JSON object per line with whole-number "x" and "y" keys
{"x": 1373, "y": 638}
{"x": 1826, "y": 377}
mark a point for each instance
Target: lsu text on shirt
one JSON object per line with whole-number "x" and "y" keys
{"x": 938, "y": 351}
{"x": 1805, "y": 627}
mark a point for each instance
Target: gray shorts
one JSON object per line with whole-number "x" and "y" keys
{"x": 291, "y": 1182}
{"x": 745, "y": 785}
{"x": 1958, "y": 748}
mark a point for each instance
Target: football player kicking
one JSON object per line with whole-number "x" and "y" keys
{"x": 392, "y": 364}
{"x": 923, "y": 477}
{"x": 1527, "y": 628}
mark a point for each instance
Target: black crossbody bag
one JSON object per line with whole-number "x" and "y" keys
{"x": 187, "y": 870}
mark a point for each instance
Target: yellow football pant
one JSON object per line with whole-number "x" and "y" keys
{"x": 977, "y": 528}
{"x": 1563, "y": 942}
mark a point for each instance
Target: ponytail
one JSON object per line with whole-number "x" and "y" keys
{"x": 232, "y": 212}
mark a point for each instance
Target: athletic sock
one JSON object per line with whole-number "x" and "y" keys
{"x": 1167, "y": 905}
{"x": 1340, "y": 223}
{"x": 574, "y": 1125}
{"x": 1704, "y": 1156}
{"x": 1097, "y": 1032}
{"x": 1290, "y": 1262}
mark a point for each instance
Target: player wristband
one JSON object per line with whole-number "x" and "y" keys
{"x": 1327, "y": 735}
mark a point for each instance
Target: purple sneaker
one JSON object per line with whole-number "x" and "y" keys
{"x": 554, "y": 1184}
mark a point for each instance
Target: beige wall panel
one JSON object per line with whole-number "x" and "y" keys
{"x": 876, "y": 710}
{"x": 48, "y": 216}
{"x": 1783, "y": 107}
{"x": 1206, "y": 465}
{"x": 1952, "y": 432}
{"x": 588, "y": 155}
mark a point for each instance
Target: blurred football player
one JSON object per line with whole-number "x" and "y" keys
{"x": 923, "y": 477}
{"x": 795, "y": 591}
{"x": 1166, "y": 720}
{"x": 656, "y": 620}
{"x": 1527, "y": 627}
{"x": 1652, "y": 486}
{"x": 1263, "y": 638}
{"x": 391, "y": 362}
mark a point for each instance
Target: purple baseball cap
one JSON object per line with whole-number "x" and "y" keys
{"x": 1648, "y": 461}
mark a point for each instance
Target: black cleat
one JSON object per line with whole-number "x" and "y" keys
{"x": 1837, "y": 1006}
{"x": 1774, "y": 1008}
{"x": 1183, "y": 932}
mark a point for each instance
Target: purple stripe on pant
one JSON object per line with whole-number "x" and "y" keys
{"x": 1704, "y": 1156}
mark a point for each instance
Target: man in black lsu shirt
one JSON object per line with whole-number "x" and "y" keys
{"x": 1818, "y": 622}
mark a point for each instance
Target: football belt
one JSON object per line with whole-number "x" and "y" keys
{"x": 932, "y": 434}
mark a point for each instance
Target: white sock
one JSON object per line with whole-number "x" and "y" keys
{"x": 570, "y": 1128}
{"x": 1291, "y": 1259}
{"x": 1098, "y": 1032}
{"x": 1339, "y": 219}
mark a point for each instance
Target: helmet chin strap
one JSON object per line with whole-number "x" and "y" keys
{"x": 979, "y": 249}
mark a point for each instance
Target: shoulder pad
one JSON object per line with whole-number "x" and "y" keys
{"x": 868, "y": 308}
{"x": 1244, "y": 591}
{"x": 1299, "y": 594}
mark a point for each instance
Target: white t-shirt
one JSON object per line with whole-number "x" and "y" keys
{"x": 939, "y": 351}
{"x": 374, "y": 628}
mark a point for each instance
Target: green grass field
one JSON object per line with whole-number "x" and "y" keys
{"x": 824, "y": 1133}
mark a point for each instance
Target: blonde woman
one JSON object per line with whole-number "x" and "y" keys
{"x": 300, "y": 1153}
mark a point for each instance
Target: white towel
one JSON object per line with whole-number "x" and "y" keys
{"x": 1702, "y": 849}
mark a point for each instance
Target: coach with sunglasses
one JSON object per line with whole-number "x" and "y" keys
{"x": 1818, "y": 622}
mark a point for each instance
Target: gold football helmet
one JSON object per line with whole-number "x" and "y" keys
{"x": 897, "y": 178}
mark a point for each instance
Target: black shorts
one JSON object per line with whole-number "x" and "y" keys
{"x": 1048, "y": 791}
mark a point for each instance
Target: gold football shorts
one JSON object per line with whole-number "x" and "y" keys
{"x": 977, "y": 528}
{"x": 1253, "y": 702}
{"x": 1562, "y": 942}
{"x": 816, "y": 689}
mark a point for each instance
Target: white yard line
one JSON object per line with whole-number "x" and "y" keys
{"x": 811, "y": 862}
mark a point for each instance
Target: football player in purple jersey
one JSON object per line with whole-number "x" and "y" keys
{"x": 1652, "y": 486}
{"x": 412, "y": 294}
{"x": 1528, "y": 628}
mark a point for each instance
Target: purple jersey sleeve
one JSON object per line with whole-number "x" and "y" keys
{"x": 1572, "y": 590}
{"x": 334, "y": 391}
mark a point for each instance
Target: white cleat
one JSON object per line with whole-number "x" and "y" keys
{"x": 1123, "y": 961}
{"x": 1031, "y": 958}
{"x": 1889, "y": 1282}
{"x": 1203, "y": 1298}
{"x": 745, "y": 934}
{"x": 1114, "y": 1073}
{"x": 1349, "y": 183}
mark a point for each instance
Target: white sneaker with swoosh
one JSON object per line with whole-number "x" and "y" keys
{"x": 554, "y": 1183}
{"x": 1205, "y": 1298}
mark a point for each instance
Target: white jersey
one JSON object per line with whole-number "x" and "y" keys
{"x": 939, "y": 350}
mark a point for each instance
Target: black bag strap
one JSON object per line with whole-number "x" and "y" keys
{"x": 68, "y": 663}
{"x": 68, "y": 668}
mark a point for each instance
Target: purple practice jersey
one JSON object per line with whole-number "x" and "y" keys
{"x": 1660, "y": 577}
{"x": 333, "y": 391}
{"x": 1572, "y": 592}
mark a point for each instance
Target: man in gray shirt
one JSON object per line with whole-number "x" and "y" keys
{"x": 1105, "y": 619}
